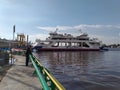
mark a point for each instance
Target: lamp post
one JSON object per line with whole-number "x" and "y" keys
{"x": 27, "y": 39}
{"x": 13, "y": 32}
{"x": 12, "y": 44}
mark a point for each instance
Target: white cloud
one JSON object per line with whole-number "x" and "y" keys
{"x": 85, "y": 26}
{"x": 119, "y": 34}
{"x": 78, "y": 27}
{"x": 108, "y": 39}
{"x": 56, "y": 27}
{"x": 47, "y": 28}
{"x": 37, "y": 36}
{"x": 111, "y": 40}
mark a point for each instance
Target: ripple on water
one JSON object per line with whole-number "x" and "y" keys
{"x": 84, "y": 70}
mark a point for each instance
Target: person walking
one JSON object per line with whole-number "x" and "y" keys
{"x": 28, "y": 52}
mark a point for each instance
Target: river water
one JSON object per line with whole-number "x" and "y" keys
{"x": 98, "y": 70}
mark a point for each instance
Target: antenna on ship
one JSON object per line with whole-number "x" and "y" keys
{"x": 80, "y": 30}
{"x": 56, "y": 30}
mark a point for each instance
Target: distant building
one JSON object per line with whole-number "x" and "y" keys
{"x": 19, "y": 42}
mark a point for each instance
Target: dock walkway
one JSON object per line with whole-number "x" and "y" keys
{"x": 20, "y": 77}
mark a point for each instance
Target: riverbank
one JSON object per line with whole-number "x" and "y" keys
{"x": 20, "y": 77}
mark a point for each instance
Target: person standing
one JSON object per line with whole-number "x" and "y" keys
{"x": 28, "y": 52}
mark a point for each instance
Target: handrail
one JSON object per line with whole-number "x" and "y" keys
{"x": 52, "y": 82}
{"x": 41, "y": 79}
{"x": 55, "y": 81}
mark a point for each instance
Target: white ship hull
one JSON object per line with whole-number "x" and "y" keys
{"x": 40, "y": 48}
{"x": 67, "y": 49}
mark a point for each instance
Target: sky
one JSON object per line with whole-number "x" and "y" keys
{"x": 36, "y": 18}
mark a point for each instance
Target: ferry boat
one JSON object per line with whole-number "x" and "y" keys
{"x": 67, "y": 42}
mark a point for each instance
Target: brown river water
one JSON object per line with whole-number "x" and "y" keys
{"x": 98, "y": 70}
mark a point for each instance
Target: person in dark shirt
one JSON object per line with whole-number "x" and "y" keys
{"x": 28, "y": 52}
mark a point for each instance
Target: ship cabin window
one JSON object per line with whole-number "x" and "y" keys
{"x": 55, "y": 38}
{"x": 59, "y": 38}
{"x": 93, "y": 43}
{"x": 85, "y": 45}
{"x": 83, "y": 39}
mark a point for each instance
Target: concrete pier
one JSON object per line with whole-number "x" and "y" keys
{"x": 20, "y": 77}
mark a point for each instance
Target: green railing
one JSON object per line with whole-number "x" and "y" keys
{"x": 47, "y": 80}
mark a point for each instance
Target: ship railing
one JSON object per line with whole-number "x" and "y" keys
{"x": 47, "y": 80}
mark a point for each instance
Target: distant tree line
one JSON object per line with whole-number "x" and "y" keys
{"x": 112, "y": 45}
